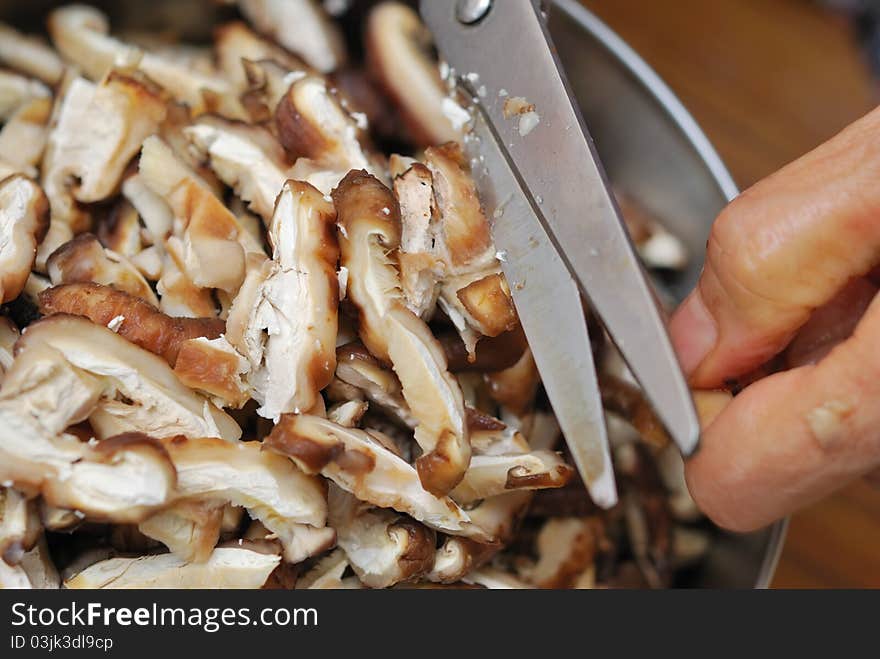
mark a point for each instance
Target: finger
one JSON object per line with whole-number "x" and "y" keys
{"x": 780, "y": 250}
{"x": 794, "y": 437}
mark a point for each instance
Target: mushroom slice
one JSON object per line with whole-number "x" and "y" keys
{"x": 359, "y": 464}
{"x": 626, "y": 400}
{"x": 327, "y": 573}
{"x": 215, "y": 368}
{"x": 490, "y": 475}
{"x": 39, "y": 568}
{"x": 226, "y": 568}
{"x": 657, "y": 247}
{"x": 566, "y": 547}
{"x": 29, "y": 55}
{"x": 16, "y": 90}
{"x": 494, "y": 579}
{"x": 515, "y": 387}
{"x": 153, "y": 399}
{"x": 302, "y": 27}
{"x": 323, "y": 137}
{"x": 100, "y": 128}
{"x": 358, "y": 368}
{"x": 382, "y": 546}
{"x": 290, "y": 504}
{"x": 247, "y": 158}
{"x": 178, "y": 295}
{"x": 83, "y": 259}
{"x": 349, "y": 413}
{"x": 398, "y": 49}
{"x": 19, "y": 525}
{"x": 23, "y": 137}
{"x": 130, "y": 317}
{"x": 368, "y": 218}
{"x": 213, "y": 255}
{"x": 292, "y": 315}
{"x": 189, "y": 528}
{"x": 235, "y": 42}
{"x": 24, "y": 218}
{"x": 458, "y": 556}
{"x": 81, "y": 35}
{"x": 157, "y": 217}
{"x": 419, "y": 265}
{"x": 484, "y": 301}
{"x": 121, "y": 230}
{"x": 268, "y": 82}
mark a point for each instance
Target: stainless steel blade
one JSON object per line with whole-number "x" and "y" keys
{"x": 505, "y": 55}
{"x": 548, "y": 302}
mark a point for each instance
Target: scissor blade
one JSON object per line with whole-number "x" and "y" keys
{"x": 548, "y": 302}
{"x": 507, "y": 56}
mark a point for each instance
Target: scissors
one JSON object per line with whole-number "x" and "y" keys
{"x": 556, "y": 221}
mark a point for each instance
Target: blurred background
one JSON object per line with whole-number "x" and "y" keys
{"x": 768, "y": 80}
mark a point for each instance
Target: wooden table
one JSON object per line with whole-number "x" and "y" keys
{"x": 768, "y": 80}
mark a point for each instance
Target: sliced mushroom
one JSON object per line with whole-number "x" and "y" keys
{"x": 121, "y": 230}
{"x": 81, "y": 35}
{"x": 515, "y": 387}
{"x": 302, "y": 27}
{"x": 491, "y": 475}
{"x": 327, "y": 573}
{"x": 456, "y": 557}
{"x": 657, "y": 247}
{"x": 348, "y": 413}
{"x": 628, "y": 401}
{"x": 178, "y": 295}
{"x": 130, "y": 317}
{"x": 494, "y": 579}
{"x": 100, "y": 128}
{"x": 24, "y": 218}
{"x": 323, "y": 137}
{"x": 16, "y": 90}
{"x": 288, "y": 311}
{"x": 155, "y": 213}
{"x": 153, "y": 400}
{"x": 358, "y": 368}
{"x": 213, "y": 254}
{"x": 268, "y": 82}
{"x": 189, "y": 528}
{"x": 420, "y": 268}
{"x": 566, "y": 547}
{"x": 398, "y": 49}
{"x": 382, "y": 546}
{"x": 29, "y": 55}
{"x": 39, "y": 568}
{"x": 226, "y": 568}
{"x": 359, "y": 464}
{"x": 247, "y": 158}
{"x": 83, "y": 259}
{"x": 23, "y": 137}
{"x": 368, "y": 217}
{"x": 235, "y": 42}
{"x": 269, "y": 486}
{"x": 19, "y": 525}
{"x": 215, "y": 368}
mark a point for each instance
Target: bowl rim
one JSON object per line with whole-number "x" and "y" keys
{"x": 684, "y": 121}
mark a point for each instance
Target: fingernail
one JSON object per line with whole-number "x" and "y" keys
{"x": 693, "y": 332}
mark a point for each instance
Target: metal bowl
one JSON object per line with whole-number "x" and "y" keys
{"x": 652, "y": 149}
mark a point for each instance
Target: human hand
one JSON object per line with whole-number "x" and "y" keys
{"x": 788, "y": 275}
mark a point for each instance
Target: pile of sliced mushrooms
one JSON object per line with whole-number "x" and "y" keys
{"x": 246, "y": 344}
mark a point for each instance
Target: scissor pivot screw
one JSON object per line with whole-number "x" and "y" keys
{"x": 472, "y": 11}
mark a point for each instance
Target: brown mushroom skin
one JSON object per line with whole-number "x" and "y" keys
{"x": 142, "y": 323}
{"x": 24, "y": 206}
{"x": 488, "y": 301}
